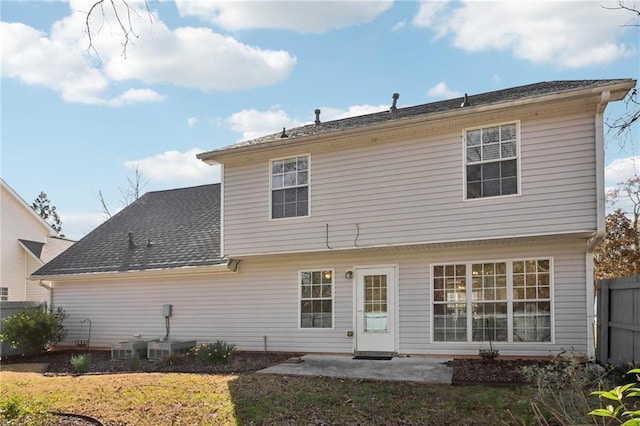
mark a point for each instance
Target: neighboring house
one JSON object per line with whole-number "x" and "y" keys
{"x": 427, "y": 230}
{"x": 28, "y": 242}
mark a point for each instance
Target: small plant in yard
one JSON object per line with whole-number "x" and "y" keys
{"x": 625, "y": 397}
{"x": 16, "y": 410}
{"x": 134, "y": 362}
{"x": 213, "y": 353}
{"x": 80, "y": 363}
{"x": 33, "y": 330}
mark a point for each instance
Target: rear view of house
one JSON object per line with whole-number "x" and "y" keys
{"x": 443, "y": 228}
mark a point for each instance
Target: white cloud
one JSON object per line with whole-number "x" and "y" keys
{"x": 621, "y": 170}
{"x": 329, "y": 113}
{"x": 76, "y": 225}
{"x": 59, "y": 60}
{"x": 568, "y": 34}
{"x": 177, "y": 168}
{"x": 399, "y": 25}
{"x": 309, "y": 16}
{"x": 192, "y": 121}
{"x": 252, "y": 123}
{"x": 442, "y": 91}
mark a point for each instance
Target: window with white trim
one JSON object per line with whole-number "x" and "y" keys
{"x": 316, "y": 298}
{"x": 4, "y": 293}
{"x": 290, "y": 187}
{"x": 491, "y": 166}
{"x": 505, "y": 301}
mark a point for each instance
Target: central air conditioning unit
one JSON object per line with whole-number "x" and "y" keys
{"x": 158, "y": 349}
{"x": 129, "y": 349}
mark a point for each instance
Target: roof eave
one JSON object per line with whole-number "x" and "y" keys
{"x": 617, "y": 89}
{"x": 230, "y": 266}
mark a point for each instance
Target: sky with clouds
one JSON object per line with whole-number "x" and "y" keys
{"x": 84, "y": 107}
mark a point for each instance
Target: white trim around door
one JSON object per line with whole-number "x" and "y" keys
{"x": 376, "y": 311}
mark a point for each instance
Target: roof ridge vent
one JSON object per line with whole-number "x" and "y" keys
{"x": 394, "y": 108}
{"x": 465, "y": 101}
{"x": 317, "y": 111}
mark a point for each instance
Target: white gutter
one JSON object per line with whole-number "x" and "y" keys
{"x": 600, "y": 223}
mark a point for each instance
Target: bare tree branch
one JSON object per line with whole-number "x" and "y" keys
{"x": 123, "y": 19}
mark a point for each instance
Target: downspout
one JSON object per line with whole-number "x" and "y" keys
{"x": 49, "y": 289}
{"x": 600, "y": 223}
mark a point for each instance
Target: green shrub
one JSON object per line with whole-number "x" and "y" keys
{"x": 15, "y": 410}
{"x": 80, "y": 363}
{"x": 213, "y": 353}
{"x": 626, "y": 398}
{"x": 33, "y": 330}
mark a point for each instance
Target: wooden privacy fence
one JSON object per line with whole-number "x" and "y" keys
{"x": 618, "y": 331}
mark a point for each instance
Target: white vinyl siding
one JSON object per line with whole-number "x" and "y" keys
{"x": 411, "y": 191}
{"x": 259, "y": 301}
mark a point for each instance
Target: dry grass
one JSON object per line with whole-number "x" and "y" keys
{"x": 246, "y": 399}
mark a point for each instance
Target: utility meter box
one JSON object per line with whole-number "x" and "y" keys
{"x": 167, "y": 310}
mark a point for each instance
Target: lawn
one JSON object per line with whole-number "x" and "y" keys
{"x": 246, "y": 399}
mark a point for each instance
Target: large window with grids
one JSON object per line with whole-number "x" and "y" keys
{"x": 4, "y": 293}
{"x": 290, "y": 187}
{"x": 316, "y": 298}
{"x": 503, "y": 301}
{"x": 491, "y": 166}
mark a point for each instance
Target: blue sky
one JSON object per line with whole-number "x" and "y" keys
{"x": 202, "y": 75}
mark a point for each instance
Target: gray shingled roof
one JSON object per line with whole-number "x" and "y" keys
{"x": 183, "y": 226}
{"x": 484, "y": 99}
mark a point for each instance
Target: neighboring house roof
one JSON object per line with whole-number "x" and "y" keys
{"x": 529, "y": 91}
{"x": 178, "y": 228}
{"x": 46, "y": 252}
{"x": 34, "y": 247}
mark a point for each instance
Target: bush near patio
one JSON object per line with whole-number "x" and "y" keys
{"x": 213, "y": 353}
{"x": 33, "y": 330}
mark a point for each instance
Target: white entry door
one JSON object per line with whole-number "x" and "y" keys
{"x": 376, "y": 310}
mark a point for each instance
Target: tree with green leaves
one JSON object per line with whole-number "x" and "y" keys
{"x": 618, "y": 254}
{"x": 42, "y": 206}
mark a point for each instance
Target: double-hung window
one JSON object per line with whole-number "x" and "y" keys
{"x": 4, "y": 293}
{"x": 491, "y": 166}
{"x": 290, "y": 187}
{"x": 504, "y": 301}
{"x": 316, "y": 298}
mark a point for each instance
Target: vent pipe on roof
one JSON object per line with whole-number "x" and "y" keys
{"x": 132, "y": 243}
{"x": 317, "y": 111}
{"x": 395, "y": 97}
{"x": 284, "y": 133}
{"x": 465, "y": 101}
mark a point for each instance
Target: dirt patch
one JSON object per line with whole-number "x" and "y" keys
{"x": 58, "y": 362}
{"x": 495, "y": 371}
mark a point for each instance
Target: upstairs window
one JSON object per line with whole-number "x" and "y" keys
{"x": 290, "y": 187}
{"x": 491, "y": 161}
{"x": 4, "y": 293}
